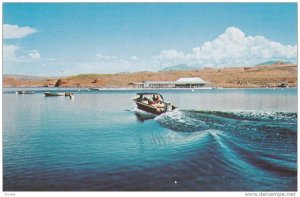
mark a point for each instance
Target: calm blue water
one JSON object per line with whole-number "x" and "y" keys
{"x": 218, "y": 140}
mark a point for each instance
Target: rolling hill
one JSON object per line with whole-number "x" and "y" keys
{"x": 178, "y": 67}
{"x": 237, "y": 77}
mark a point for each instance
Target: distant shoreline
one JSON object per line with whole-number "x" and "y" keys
{"x": 268, "y": 76}
{"x": 137, "y": 89}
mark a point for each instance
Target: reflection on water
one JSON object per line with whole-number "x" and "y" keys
{"x": 217, "y": 140}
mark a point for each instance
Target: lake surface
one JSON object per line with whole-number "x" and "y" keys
{"x": 218, "y": 140}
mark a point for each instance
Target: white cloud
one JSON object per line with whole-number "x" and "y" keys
{"x": 34, "y": 54}
{"x": 232, "y": 47}
{"x": 171, "y": 54}
{"x": 14, "y": 31}
{"x": 9, "y": 52}
{"x": 13, "y": 53}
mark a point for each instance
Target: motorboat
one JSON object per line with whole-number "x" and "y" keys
{"x": 55, "y": 94}
{"x": 153, "y": 103}
{"x": 24, "y": 92}
{"x": 95, "y": 89}
{"x": 59, "y": 94}
{"x": 69, "y": 94}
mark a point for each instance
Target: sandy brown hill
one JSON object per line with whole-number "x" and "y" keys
{"x": 257, "y": 76}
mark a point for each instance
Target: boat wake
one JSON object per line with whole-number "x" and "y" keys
{"x": 258, "y": 147}
{"x": 238, "y": 144}
{"x": 234, "y": 122}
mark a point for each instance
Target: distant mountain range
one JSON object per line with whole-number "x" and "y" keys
{"x": 184, "y": 67}
{"x": 273, "y": 62}
{"x": 26, "y": 77}
{"x": 179, "y": 67}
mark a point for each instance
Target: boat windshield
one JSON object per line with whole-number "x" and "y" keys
{"x": 152, "y": 97}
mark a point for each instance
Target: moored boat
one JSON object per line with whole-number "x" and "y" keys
{"x": 54, "y": 93}
{"x": 153, "y": 103}
{"x": 24, "y": 92}
{"x": 69, "y": 94}
{"x": 94, "y": 89}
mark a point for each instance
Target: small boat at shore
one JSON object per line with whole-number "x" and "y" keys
{"x": 24, "y": 92}
{"x": 153, "y": 103}
{"x": 54, "y": 93}
{"x": 59, "y": 94}
{"x": 94, "y": 89}
{"x": 69, "y": 94}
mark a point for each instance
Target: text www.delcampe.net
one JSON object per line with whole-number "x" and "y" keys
{"x": 270, "y": 194}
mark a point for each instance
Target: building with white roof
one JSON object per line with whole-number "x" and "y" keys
{"x": 188, "y": 82}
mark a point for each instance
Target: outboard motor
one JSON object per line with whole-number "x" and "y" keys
{"x": 173, "y": 107}
{"x": 167, "y": 106}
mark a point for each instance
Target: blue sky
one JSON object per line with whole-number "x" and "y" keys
{"x": 66, "y": 39}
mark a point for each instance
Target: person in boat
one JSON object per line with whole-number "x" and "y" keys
{"x": 151, "y": 102}
{"x": 157, "y": 102}
{"x": 140, "y": 98}
{"x": 144, "y": 100}
{"x": 155, "y": 98}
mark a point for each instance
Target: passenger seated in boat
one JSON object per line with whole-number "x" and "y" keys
{"x": 150, "y": 102}
{"x": 156, "y": 99}
{"x": 140, "y": 98}
{"x": 145, "y": 100}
